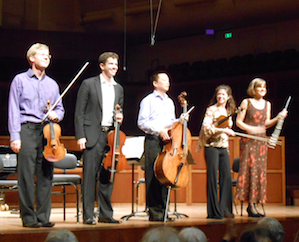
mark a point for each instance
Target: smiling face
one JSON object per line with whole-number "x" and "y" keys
{"x": 222, "y": 97}
{"x": 260, "y": 90}
{"x": 41, "y": 59}
{"x": 110, "y": 67}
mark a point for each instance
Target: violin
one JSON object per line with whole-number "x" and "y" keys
{"x": 54, "y": 151}
{"x": 223, "y": 121}
{"x": 171, "y": 166}
{"x": 115, "y": 160}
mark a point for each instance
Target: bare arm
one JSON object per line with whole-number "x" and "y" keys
{"x": 270, "y": 122}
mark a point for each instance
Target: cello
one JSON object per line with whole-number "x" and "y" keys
{"x": 115, "y": 160}
{"x": 171, "y": 166}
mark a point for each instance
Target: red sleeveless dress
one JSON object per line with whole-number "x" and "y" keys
{"x": 252, "y": 179}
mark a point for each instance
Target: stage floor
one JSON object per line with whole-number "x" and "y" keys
{"x": 11, "y": 226}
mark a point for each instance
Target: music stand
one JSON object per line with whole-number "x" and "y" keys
{"x": 133, "y": 150}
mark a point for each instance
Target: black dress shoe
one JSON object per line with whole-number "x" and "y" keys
{"x": 89, "y": 221}
{"x": 48, "y": 225}
{"x": 109, "y": 220}
{"x": 252, "y": 214}
{"x": 33, "y": 225}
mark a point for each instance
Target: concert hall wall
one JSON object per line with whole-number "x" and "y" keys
{"x": 71, "y": 50}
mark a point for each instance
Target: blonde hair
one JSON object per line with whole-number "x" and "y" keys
{"x": 256, "y": 82}
{"x": 34, "y": 48}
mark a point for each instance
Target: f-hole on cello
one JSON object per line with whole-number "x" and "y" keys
{"x": 115, "y": 160}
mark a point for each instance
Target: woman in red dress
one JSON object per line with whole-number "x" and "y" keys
{"x": 254, "y": 119}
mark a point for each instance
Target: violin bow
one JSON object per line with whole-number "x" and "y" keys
{"x": 275, "y": 135}
{"x": 65, "y": 91}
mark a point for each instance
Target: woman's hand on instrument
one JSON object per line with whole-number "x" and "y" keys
{"x": 282, "y": 114}
{"x": 15, "y": 145}
{"x": 82, "y": 143}
{"x": 164, "y": 134}
{"x": 53, "y": 116}
{"x": 229, "y": 132}
{"x": 119, "y": 117}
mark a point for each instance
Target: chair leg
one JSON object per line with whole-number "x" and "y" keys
{"x": 64, "y": 203}
{"x": 241, "y": 208}
{"x": 234, "y": 202}
{"x": 263, "y": 209}
{"x": 77, "y": 196}
{"x": 137, "y": 195}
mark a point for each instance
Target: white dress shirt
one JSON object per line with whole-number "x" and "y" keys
{"x": 108, "y": 96}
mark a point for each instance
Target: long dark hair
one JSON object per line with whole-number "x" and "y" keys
{"x": 231, "y": 104}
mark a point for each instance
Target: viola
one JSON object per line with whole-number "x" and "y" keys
{"x": 171, "y": 166}
{"x": 54, "y": 151}
{"x": 115, "y": 160}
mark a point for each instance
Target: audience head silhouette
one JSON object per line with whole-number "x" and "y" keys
{"x": 61, "y": 235}
{"x": 274, "y": 226}
{"x": 192, "y": 234}
{"x": 257, "y": 234}
{"x": 161, "y": 234}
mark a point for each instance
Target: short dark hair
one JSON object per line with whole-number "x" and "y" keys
{"x": 154, "y": 76}
{"x": 104, "y": 56}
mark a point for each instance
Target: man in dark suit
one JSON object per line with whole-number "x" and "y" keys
{"x": 94, "y": 116}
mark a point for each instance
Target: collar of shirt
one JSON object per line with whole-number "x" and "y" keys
{"x": 31, "y": 74}
{"x": 105, "y": 82}
{"x": 159, "y": 95}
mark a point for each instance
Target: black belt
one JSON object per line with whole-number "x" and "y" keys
{"x": 106, "y": 128}
{"x": 34, "y": 125}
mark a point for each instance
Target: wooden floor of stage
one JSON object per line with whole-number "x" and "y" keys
{"x": 11, "y": 226}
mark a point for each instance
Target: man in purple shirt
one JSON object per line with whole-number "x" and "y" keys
{"x": 29, "y": 94}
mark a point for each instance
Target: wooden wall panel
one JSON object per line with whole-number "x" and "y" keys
{"x": 275, "y": 188}
{"x": 199, "y": 187}
{"x": 195, "y": 192}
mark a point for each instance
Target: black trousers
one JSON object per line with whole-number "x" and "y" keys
{"x": 92, "y": 166}
{"x": 31, "y": 164}
{"x": 156, "y": 193}
{"x": 217, "y": 159}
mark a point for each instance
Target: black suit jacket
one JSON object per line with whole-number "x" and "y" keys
{"x": 88, "y": 113}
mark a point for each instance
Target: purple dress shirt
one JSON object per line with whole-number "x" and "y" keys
{"x": 28, "y": 98}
